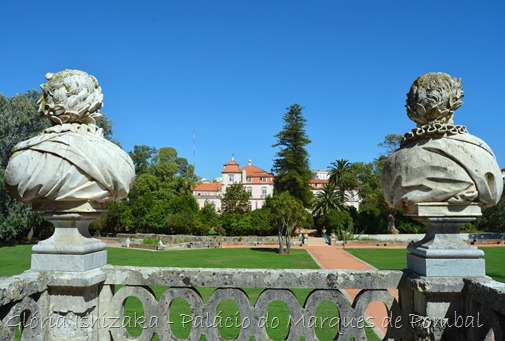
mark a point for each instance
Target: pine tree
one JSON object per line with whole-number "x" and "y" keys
{"x": 291, "y": 167}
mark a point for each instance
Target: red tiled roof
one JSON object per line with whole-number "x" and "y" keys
{"x": 256, "y": 171}
{"x": 209, "y": 187}
{"x": 255, "y": 175}
{"x": 231, "y": 167}
{"x": 316, "y": 181}
{"x": 319, "y": 181}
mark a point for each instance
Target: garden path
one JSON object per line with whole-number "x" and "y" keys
{"x": 335, "y": 257}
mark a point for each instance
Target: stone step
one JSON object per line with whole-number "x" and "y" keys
{"x": 316, "y": 241}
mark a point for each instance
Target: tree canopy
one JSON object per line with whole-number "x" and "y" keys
{"x": 291, "y": 165}
{"x": 235, "y": 200}
{"x": 19, "y": 121}
{"x": 286, "y": 214}
{"x": 161, "y": 200}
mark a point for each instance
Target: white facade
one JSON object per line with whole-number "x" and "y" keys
{"x": 257, "y": 182}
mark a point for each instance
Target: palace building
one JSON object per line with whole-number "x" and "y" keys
{"x": 257, "y": 182}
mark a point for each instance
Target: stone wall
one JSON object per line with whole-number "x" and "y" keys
{"x": 196, "y": 240}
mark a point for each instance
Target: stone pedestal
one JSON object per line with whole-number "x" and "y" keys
{"x": 442, "y": 252}
{"x": 436, "y": 308}
{"x": 73, "y": 304}
{"x": 71, "y": 247}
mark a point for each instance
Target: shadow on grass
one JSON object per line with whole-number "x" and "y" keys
{"x": 266, "y": 249}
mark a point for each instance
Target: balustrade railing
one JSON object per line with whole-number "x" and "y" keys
{"x": 485, "y": 302}
{"x": 30, "y": 302}
{"x": 277, "y": 285}
{"x": 40, "y": 305}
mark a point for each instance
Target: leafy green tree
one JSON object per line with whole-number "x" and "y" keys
{"x": 291, "y": 166}
{"x": 286, "y": 214}
{"x": 106, "y": 125}
{"x": 162, "y": 191}
{"x": 141, "y": 157}
{"x": 373, "y": 210}
{"x": 173, "y": 171}
{"x": 391, "y": 143}
{"x": 209, "y": 217}
{"x": 237, "y": 224}
{"x": 181, "y": 203}
{"x": 493, "y": 218}
{"x": 260, "y": 220}
{"x": 235, "y": 200}
{"x": 19, "y": 121}
{"x": 338, "y": 222}
{"x": 186, "y": 222}
{"x": 164, "y": 165}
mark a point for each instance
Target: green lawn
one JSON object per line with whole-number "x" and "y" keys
{"x": 260, "y": 258}
{"x": 15, "y": 259}
{"x": 396, "y": 259}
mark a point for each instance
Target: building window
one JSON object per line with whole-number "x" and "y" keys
{"x": 249, "y": 191}
{"x": 232, "y": 178}
{"x": 263, "y": 179}
{"x": 249, "y": 179}
{"x": 263, "y": 192}
{"x": 199, "y": 194}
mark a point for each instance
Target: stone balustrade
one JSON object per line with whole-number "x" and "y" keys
{"x": 44, "y": 305}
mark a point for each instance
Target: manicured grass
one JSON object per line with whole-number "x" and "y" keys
{"x": 495, "y": 262}
{"x": 15, "y": 259}
{"x": 261, "y": 258}
{"x": 395, "y": 259}
{"x": 382, "y": 259}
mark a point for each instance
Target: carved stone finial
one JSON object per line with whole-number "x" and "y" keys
{"x": 433, "y": 98}
{"x": 438, "y": 161}
{"x": 71, "y": 96}
{"x": 71, "y": 161}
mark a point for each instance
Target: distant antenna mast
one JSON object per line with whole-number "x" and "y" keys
{"x": 194, "y": 147}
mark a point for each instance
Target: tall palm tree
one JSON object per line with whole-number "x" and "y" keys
{"x": 327, "y": 200}
{"x": 338, "y": 170}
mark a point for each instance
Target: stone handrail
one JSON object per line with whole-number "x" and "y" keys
{"x": 326, "y": 285}
{"x": 27, "y": 303}
{"x": 40, "y": 300}
{"x": 485, "y": 299}
{"x": 19, "y": 294}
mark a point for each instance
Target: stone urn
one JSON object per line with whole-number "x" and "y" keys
{"x": 69, "y": 172}
{"x": 441, "y": 176}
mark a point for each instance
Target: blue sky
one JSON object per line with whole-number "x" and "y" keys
{"x": 229, "y": 69}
